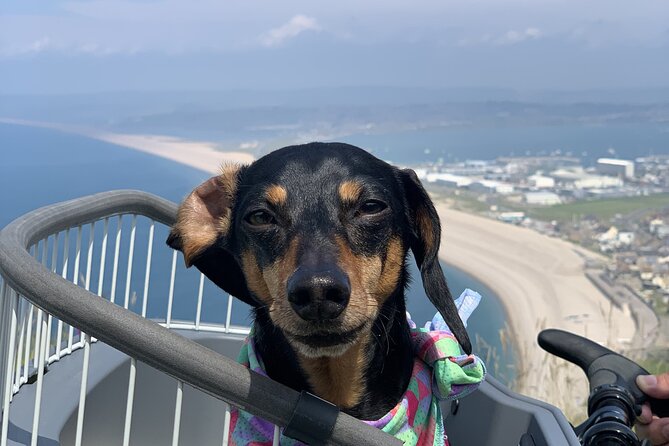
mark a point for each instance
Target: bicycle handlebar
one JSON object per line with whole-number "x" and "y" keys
{"x": 602, "y": 366}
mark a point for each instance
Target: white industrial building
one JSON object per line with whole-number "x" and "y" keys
{"x": 448, "y": 179}
{"x": 542, "y": 198}
{"x": 598, "y": 182}
{"x": 584, "y": 180}
{"x": 615, "y": 167}
{"x": 489, "y": 186}
{"x": 540, "y": 182}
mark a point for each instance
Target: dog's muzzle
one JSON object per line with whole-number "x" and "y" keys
{"x": 319, "y": 295}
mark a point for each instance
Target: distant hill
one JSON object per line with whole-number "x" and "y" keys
{"x": 143, "y": 111}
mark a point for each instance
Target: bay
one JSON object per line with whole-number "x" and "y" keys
{"x": 586, "y": 142}
{"x": 43, "y": 166}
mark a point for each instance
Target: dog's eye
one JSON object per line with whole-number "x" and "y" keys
{"x": 260, "y": 218}
{"x": 371, "y": 207}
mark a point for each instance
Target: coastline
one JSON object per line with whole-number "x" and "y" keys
{"x": 539, "y": 280}
{"x": 541, "y": 284}
{"x": 201, "y": 155}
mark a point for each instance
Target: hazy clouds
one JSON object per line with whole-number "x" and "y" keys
{"x": 230, "y": 44}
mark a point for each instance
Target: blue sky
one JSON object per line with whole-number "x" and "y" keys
{"x": 108, "y": 45}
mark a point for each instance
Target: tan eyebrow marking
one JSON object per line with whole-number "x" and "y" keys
{"x": 350, "y": 191}
{"x": 276, "y": 195}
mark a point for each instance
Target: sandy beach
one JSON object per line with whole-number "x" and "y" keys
{"x": 541, "y": 284}
{"x": 198, "y": 154}
{"x": 539, "y": 280}
{"x": 201, "y": 155}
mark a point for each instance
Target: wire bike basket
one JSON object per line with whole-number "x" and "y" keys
{"x": 97, "y": 269}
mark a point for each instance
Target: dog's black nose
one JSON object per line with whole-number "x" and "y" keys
{"x": 318, "y": 295}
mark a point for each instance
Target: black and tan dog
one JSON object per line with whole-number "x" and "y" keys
{"x": 315, "y": 237}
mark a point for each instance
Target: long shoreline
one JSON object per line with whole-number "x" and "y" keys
{"x": 541, "y": 284}
{"x": 201, "y": 155}
{"x": 540, "y": 281}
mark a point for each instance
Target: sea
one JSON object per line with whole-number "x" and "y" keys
{"x": 44, "y": 166}
{"x": 585, "y": 142}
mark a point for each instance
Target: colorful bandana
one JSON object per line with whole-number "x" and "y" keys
{"x": 440, "y": 372}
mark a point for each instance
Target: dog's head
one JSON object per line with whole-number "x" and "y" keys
{"x": 318, "y": 234}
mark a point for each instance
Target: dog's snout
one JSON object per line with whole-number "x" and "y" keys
{"x": 318, "y": 295}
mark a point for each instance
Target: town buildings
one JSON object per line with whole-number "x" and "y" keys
{"x": 516, "y": 190}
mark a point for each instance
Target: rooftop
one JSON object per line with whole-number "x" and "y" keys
{"x": 615, "y": 161}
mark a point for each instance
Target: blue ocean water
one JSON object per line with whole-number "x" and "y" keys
{"x": 587, "y": 142}
{"x": 40, "y": 167}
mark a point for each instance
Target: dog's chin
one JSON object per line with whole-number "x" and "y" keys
{"x": 321, "y": 344}
{"x": 310, "y": 351}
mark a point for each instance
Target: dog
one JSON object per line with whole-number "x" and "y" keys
{"x": 315, "y": 238}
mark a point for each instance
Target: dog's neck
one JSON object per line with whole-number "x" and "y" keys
{"x": 366, "y": 381}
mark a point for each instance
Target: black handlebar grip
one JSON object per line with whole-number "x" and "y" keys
{"x": 601, "y": 365}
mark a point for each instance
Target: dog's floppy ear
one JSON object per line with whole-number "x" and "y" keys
{"x": 202, "y": 232}
{"x": 425, "y": 238}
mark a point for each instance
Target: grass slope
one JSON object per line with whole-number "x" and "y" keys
{"x": 602, "y": 209}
